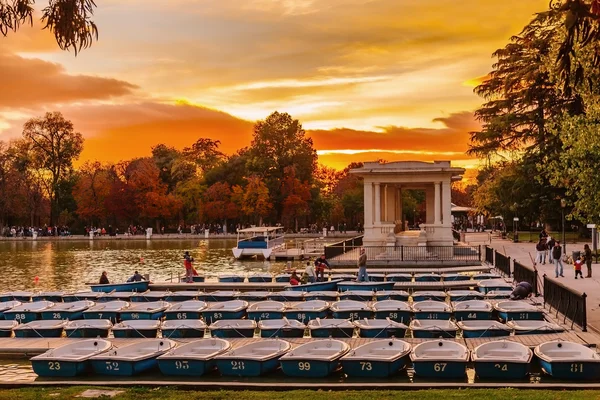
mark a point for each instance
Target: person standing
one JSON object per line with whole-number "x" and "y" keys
{"x": 362, "y": 267}
{"x": 541, "y": 248}
{"x": 189, "y": 269}
{"x": 557, "y": 255}
{"x": 550, "y": 244}
{"x": 587, "y": 252}
{"x": 320, "y": 264}
{"x": 310, "y": 273}
{"x": 577, "y": 264}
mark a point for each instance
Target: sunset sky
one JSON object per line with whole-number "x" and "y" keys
{"x": 368, "y": 79}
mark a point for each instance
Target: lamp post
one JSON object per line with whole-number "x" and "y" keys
{"x": 563, "y": 204}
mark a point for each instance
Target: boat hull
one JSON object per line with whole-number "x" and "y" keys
{"x": 282, "y": 333}
{"x": 23, "y": 316}
{"x": 283, "y": 298}
{"x": 177, "y": 298}
{"x": 218, "y": 298}
{"x": 113, "y": 316}
{"x": 308, "y": 368}
{"x": 324, "y": 297}
{"x": 87, "y": 333}
{"x": 61, "y": 315}
{"x": 352, "y": 315}
{"x": 212, "y": 316}
{"x": 185, "y": 367}
{"x": 229, "y": 333}
{"x": 305, "y": 316}
{"x": 56, "y": 369}
{"x": 521, "y": 316}
{"x": 135, "y": 315}
{"x": 472, "y": 315}
{"x": 392, "y": 296}
{"x": 334, "y": 332}
{"x": 360, "y": 296}
{"x": 123, "y": 368}
{"x": 369, "y": 368}
{"x": 350, "y": 286}
{"x": 52, "y": 298}
{"x": 433, "y": 334}
{"x": 260, "y": 279}
{"x": 39, "y": 333}
{"x": 424, "y": 297}
{"x": 232, "y": 279}
{"x": 135, "y": 333}
{"x": 182, "y": 333}
{"x": 382, "y": 333}
{"x": 121, "y": 287}
{"x": 572, "y": 370}
{"x": 501, "y": 370}
{"x": 4, "y": 333}
{"x": 182, "y": 315}
{"x": 260, "y": 315}
{"x": 397, "y": 316}
{"x": 440, "y": 369}
{"x": 433, "y": 314}
{"x": 246, "y": 368}
{"x": 479, "y": 333}
{"x": 316, "y": 287}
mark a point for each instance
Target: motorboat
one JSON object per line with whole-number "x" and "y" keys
{"x": 351, "y": 309}
{"x": 69, "y": 360}
{"x": 307, "y": 310}
{"x": 518, "y": 310}
{"x": 136, "y": 328}
{"x": 150, "y": 310}
{"x": 253, "y": 296}
{"x": 260, "y": 277}
{"x": 399, "y": 295}
{"x": 464, "y": 295}
{"x": 503, "y": 359}
{"x": 132, "y": 359}
{"x": 88, "y": 328}
{"x": 534, "y": 327}
{"x": 189, "y": 309}
{"x": 182, "y": 328}
{"x": 6, "y": 328}
{"x": 40, "y": 329}
{"x": 285, "y": 328}
{"x": 369, "y": 286}
{"x": 433, "y": 328}
{"x": 428, "y": 278}
{"x": 253, "y": 359}
{"x": 185, "y": 295}
{"x": 233, "y": 309}
{"x": 110, "y": 310}
{"x": 568, "y": 360}
{"x": 193, "y": 359}
{"x": 233, "y": 328}
{"x": 483, "y": 328}
{"x": 472, "y": 310}
{"x": 495, "y": 285}
{"x": 380, "y": 328}
{"x": 315, "y": 359}
{"x": 358, "y": 295}
{"x": 258, "y": 242}
{"x": 395, "y": 310}
{"x": 324, "y": 328}
{"x": 222, "y": 295}
{"x": 431, "y": 309}
{"x": 27, "y": 312}
{"x": 436, "y": 295}
{"x": 265, "y": 310}
{"x": 444, "y": 359}
{"x": 328, "y": 295}
{"x": 140, "y": 286}
{"x": 286, "y": 295}
{"x": 70, "y": 311}
{"x": 377, "y": 359}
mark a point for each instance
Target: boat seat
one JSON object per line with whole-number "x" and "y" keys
{"x": 440, "y": 353}
{"x": 563, "y": 354}
{"x": 262, "y": 352}
{"x": 325, "y": 353}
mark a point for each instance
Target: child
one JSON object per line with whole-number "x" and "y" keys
{"x": 578, "y": 264}
{"x": 294, "y": 279}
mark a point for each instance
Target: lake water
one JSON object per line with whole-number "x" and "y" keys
{"x": 68, "y": 265}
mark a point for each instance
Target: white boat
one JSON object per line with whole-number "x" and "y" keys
{"x": 534, "y": 327}
{"x": 433, "y": 328}
{"x": 324, "y": 328}
{"x": 233, "y": 309}
{"x": 27, "y": 312}
{"x": 501, "y": 360}
{"x": 380, "y": 328}
{"x": 41, "y": 329}
{"x": 483, "y": 328}
{"x": 133, "y": 359}
{"x": 88, "y": 328}
{"x": 431, "y": 309}
{"x": 377, "y": 359}
{"x": 233, "y": 328}
{"x": 284, "y": 327}
{"x": 189, "y": 309}
{"x": 70, "y": 311}
{"x": 518, "y": 310}
{"x": 109, "y": 310}
{"x": 568, "y": 360}
{"x": 6, "y": 327}
{"x": 69, "y": 360}
{"x": 496, "y": 285}
{"x": 265, "y": 310}
{"x": 7, "y": 305}
{"x": 440, "y": 359}
{"x": 307, "y": 310}
{"x": 472, "y": 310}
{"x": 351, "y": 309}
{"x": 145, "y": 310}
{"x": 315, "y": 359}
{"x": 137, "y": 328}
{"x": 182, "y": 328}
{"x": 259, "y": 241}
{"x": 193, "y": 359}
{"x": 254, "y": 359}
{"x": 395, "y": 310}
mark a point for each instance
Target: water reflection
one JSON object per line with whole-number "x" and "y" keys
{"x": 68, "y": 265}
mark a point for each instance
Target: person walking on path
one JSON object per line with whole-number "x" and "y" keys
{"x": 362, "y": 267}
{"x": 540, "y": 249}
{"x": 587, "y": 252}
{"x": 550, "y": 244}
{"x": 557, "y": 255}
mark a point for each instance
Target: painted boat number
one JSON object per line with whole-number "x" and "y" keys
{"x": 304, "y": 366}
{"x": 472, "y": 316}
{"x": 393, "y": 315}
{"x": 524, "y": 316}
{"x": 433, "y": 316}
{"x": 237, "y": 365}
{"x": 112, "y": 366}
{"x": 439, "y": 367}
{"x": 99, "y": 315}
{"x": 264, "y": 315}
{"x": 217, "y": 315}
{"x": 501, "y": 367}
{"x": 353, "y": 315}
{"x": 301, "y": 317}
{"x": 56, "y": 316}
{"x": 135, "y": 316}
{"x": 19, "y": 317}
{"x": 54, "y": 366}
{"x": 182, "y": 365}
{"x": 182, "y": 315}
{"x": 365, "y": 366}
{"x": 576, "y": 367}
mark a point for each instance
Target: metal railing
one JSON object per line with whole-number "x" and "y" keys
{"x": 502, "y": 263}
{"x": 570, "y": 303}
{"x": 489, "y": 255}
{"x": 522, "y": 273}
{"x": 405, "y": 253}
{"x": 342, "y": 247}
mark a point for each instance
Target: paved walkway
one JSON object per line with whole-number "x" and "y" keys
{"x": 525, "y": 252}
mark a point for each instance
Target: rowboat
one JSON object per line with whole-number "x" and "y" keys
{"x": 69, "y": 360}
{"x": 316, "y": 359}
{"x": 110, "y": 310}
{"x": 141, "y": 286}
{"x": 428, "y": 278}
{"x": 359, "y": 295}
{"x": 568, "y": 360}
{"x": 234, "y": 309}
{"x": 483, "y": 328}
{"x": 233, "y": 328}
{"x": 140, "y": 328}
{"x": 286, "y": 295}
{"x": 369, "y": 286}
{"x": 190, "y": 309}
{"x": 431, "y": 310}
{"x": 70, "y": 311}
{"x": 455, "y": 277}
{"x": 518, "y": 310}
{"x": 534, "y": 327}
{"x": 472, "y": 309}
{"x": 88, "y": 328}
{"x": 253, "y": 359}
{"x": 27, "y": 312}
{"x": 464, "y": 295}
{"x": 316, "y": 287}
{"x": 55, "y": 297}
{"x": 377, "y": 277}
{"x": 497, "y": 295}
{"x": 19, "y": 295}
{"x": 442, "y": 359}
{"x": 253, "y": 296}
{"x": 399, "y": 278}
{"x": 151, "y": 310}
{"x": 222, "y": 295}
{"x": 350, "y": 309}
{"x": 41, "y": 329}
{"x": 433, "y": 328}
{"x": 324, "y": 328}
{"x": 377, "y": 359}
{"x": 231, "y": 278}
{"x": 395, "y": 310}
{"x": 266, "y": 310}
{"x": 495, "y": 285}
{"x": 185, "y": 295}
{"x": 380, "y": 328}
{"x": 112, "y": 296}
{"x": 435, "y": 295}
{"x": 78, "y": 296}
{"x": 502, "y": 360}
{"x": 399, "y": 295}
{"x": 308, "y": 310}
{"x": 260, "y": 277}
{"x": 6, "y": 328}
{"x": 132, "y": 359}
{"x": 7, "y": 305}
{"x": 286, "y": 328}
{"x": 150, "y": 296}
{"x": 193, "y": 359}
{"x": 329, "y": 295}
{"x": 182, "y": 328}
{"x": 282, "y": 278}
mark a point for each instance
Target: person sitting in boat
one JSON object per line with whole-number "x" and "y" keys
{"x": 104, "y": 279}
{"x": 310, "y": 271}
{"x": 189, "y": 269}
{"x": 294, "y": 279}
{"x": 320, "y": 264}
{"x": 136, "y": 277}
{"x": 522, "y": 291}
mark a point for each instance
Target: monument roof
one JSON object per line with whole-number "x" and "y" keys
{"x": 407, "y": 167}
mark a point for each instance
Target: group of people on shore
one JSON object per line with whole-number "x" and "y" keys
{"x": 547, "y": 248}
{"x": 29, "y": 231}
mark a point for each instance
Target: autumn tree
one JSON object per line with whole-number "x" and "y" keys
{"x": 205, "y": 153}
{"x": 296, "y": 195}
{"x": 54, "y": 146}
{"x": 92, "y": 190}
{"x": 253, "y": 199}
{"x": 218, "y": 205}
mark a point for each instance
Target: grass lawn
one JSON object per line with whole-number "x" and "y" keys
{"x": 173, "y": 394}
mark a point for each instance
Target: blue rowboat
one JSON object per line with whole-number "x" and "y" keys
{"x": 69, "y": 360}
{"x": 316, "y": 287}
{"x": 253, "y": 296}
{"x": 395, "y": 310}
{"x": 399, "y": 295}
{"x": 41, "y": 329}
{"x": 483, "y": 328}
{"x": 88, "y": 328}
{"x": 315, "y": 359}
{"x": 142, "y": 328}
{"x": 141, "y": 286}
{"x": 435, "y": 295}
{"x": 233, "y": 328}
{"x": 360, "y": 295}
{"x": 234, "y": 309}
{"x": 343, "y": 277}
{"x": 182, "y": 328}
{"x": 327, "y": 296}
{"x": 185, "y": 295}
{"x": 254, "y": 359}
{"x": 568, "y": 360}
{"x": 78, "y": 296}
{"x": 266, "y": 310}
{"x": 399, "y": 278}
{"x": 150, "y": 296}
{"x": 534, "y": 327}
{"x": 433, "y": 328}
{"x": 440, "y": 359}
{"x": 198, "y": 278}
{"x": 282, "y": 278}
{"x": 6, "y": 328}
{"x": 455, "y": 277}
{"x": 55, "y": 297}
{"x": 503, "y": 360}
{"x": 153, "y": 310}
{"x": 222, "y": 295}
{"x": 377, "y": 359}
{"x": 370, "y": 286}
{"x": 377, "y": 277}
{"x": 472, "y": 310}
{"x": 494, "y": 295}
{"x": 464, "y": 295}
{"x": 193, "y": 359}
{"x": 133, "y": 359}
{"x": 307, "y": 311}
{"x": 7, "y": 305}
{"x": 260, "y": 278}
{"x": 190, "y": 309}
{"x": 287, "y": 295}
{"x": 123, "y": 296}
{"x": 23, "y": 296}
{"x": 481, "y": 277}
{"x": 110, "y": 310}
{"x": 428, "y": 278}
{"x": 380, "y": 328}
{"x": 70, "y": 311}
{"x": 518, "y": 311}
{"x": 431, "y": 310}
{"x": 351, "y": 309}
{"x": 231, "y": 278}
{"x": 325, "y": 328}
{"x": 27, "y": 312}
{"x": 271, "y": 328}
{"x": 495, "y": 285}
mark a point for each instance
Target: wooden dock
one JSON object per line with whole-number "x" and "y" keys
{"x": 415, "y": 270}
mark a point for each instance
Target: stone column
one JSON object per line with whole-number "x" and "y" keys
{"x": 437, "y": 204}
{"x": 430, "y": 205}
{"x": 400, "y": 211}
{"x": 368, "y": 205}
{"x": 385, "y": 203}
{"x": 446, "y": 204}
{"x": 377, "y": 189}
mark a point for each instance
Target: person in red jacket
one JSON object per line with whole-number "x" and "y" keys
{"x": 294, "y": 279}
{"x": 578, "y": 264}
